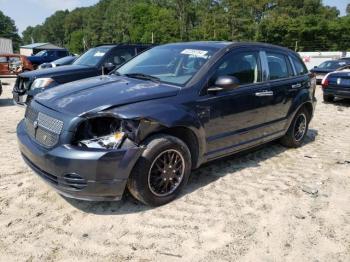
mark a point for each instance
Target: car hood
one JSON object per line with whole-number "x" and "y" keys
{"x": 99, "y": 93}
{"x": 57, "y": 71}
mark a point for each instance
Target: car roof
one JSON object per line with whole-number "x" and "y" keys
{"x": 228, "y": 44}
{"x": 122, "y": 44}
{"x": 208, "y": 44}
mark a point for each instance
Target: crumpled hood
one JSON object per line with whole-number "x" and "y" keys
{"x": 102, "y": 92}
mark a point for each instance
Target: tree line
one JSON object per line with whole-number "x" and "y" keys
{"x": 303, "y": 25}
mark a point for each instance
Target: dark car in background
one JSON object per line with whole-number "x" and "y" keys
{"x": 96, "y": 61}
{"x": 336, "y": 84}
{"x": 46, "y": 56}
{"x": 160, "y": 115}
{"x": 327, "y": 67}
{"x": 67, "y": 60}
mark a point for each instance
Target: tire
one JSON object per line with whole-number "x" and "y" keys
{"x": 328, "y": 98}
{"x": 294, "y": 137}
{"x": 146, "y": 181}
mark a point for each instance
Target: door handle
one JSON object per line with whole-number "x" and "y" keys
{"x": 296, "y": 86}
{"x": 264, "y": 93}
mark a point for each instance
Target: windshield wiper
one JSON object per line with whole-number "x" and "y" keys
{"x": 143, "y": 76}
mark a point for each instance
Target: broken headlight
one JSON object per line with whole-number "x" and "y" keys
{"x": 111, "y": 141}
{"x": 104, "y": 132}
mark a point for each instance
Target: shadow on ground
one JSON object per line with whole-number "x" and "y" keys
{"x": 206, "y": 174}
{"x": 6, "y": 102}
{"x": 339, "y": 102}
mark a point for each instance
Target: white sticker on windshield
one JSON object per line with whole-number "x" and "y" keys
{"x": 194, "y": 52}
{"x": 98, "y": 53}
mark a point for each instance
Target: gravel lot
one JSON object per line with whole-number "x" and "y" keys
{"x": 254, "y": 207}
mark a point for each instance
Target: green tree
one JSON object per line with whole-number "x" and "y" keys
{"x": 9, "y": 30}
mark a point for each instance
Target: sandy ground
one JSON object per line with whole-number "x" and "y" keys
{"x": 243, "y": 208}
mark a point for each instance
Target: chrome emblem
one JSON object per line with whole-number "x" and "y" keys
{"x": 35, "y": 124}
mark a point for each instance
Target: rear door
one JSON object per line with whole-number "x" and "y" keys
{"x": 284, "y": 85}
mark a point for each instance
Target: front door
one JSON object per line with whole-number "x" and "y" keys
{"x": 236, "y": 118}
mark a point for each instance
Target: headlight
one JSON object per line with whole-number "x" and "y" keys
{"x": 41, "y": 83}
{"x": 111, "y": 141}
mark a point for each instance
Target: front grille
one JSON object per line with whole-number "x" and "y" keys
{"x": 42, "y": 128}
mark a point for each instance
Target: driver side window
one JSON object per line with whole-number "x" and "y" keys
{"x": 245, "y": 66}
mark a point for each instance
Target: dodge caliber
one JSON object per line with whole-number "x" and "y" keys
{"x": 145, "y": 126}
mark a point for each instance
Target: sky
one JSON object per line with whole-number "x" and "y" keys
{"x": 33, "y": 12}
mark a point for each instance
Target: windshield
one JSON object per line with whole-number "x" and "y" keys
{"x": 41, "y": 53}
{"x": 173, "y": 64}
{"x": 332, "y": 64}
{"x": 92, "y": 57}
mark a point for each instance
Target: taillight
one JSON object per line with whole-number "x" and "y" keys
{"x": 325, "y": 81}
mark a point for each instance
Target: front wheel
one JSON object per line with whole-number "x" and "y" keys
{"x": 161, "y": 172}
{"x": 297, "y": 130}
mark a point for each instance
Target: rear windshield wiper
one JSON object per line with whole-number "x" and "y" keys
{"x": 143, "y": 76}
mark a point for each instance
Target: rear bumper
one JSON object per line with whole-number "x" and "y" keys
{"x": 338, "y": 92}
{"x": 95, "y": 175}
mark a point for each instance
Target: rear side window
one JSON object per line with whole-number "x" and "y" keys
{"x": 14, "y": 59}
{"x": 300, "y": 68}
{"x": 243, "y": 65}
{"x": 62, "y": 53}
{"x": 278, "y": 65}
{"x": 3, "y": 59}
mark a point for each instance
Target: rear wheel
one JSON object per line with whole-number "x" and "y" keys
{"x": 297, "y": 130}
{"x": 328, "y": 98}
{"x": 161, "y": 172}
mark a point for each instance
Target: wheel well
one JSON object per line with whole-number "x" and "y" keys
{"x": 189, "y": 138}
{"x": 309, "y": 108}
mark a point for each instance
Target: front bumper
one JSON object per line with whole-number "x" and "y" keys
{"x": 96, "y": 175}
{"x": 337, "y": 91}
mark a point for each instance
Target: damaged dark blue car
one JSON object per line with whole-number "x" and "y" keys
{"x": 145, "y": 126}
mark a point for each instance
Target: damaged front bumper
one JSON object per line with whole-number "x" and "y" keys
{"x": 81, "y": 173}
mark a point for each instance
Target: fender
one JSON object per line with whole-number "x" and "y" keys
{"x": 299, "y": 101}
{"x": 158, "y": 117}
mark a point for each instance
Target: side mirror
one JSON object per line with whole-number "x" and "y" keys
{"x": 315, "y": 66}
{"x": 223, "y": 83}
